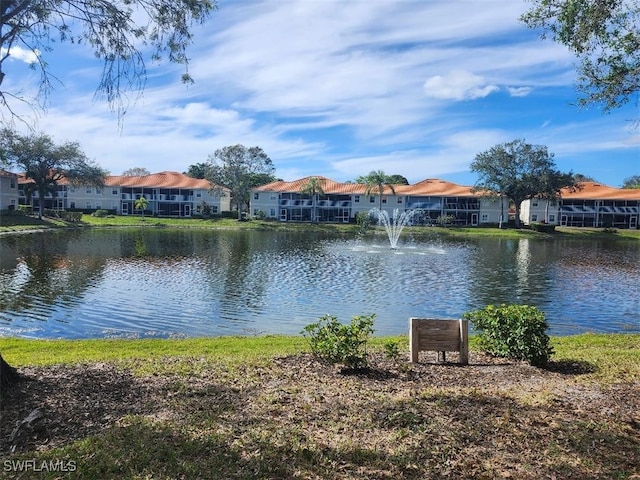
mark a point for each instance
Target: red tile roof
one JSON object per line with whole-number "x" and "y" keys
{"x": 154, "y": 180}
{"x": 158, "y": 180}
{"x": 598, "y": 191}
{"x": 437, "y": 187}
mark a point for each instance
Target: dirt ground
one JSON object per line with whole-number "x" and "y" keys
{"x": 69, "y": 403}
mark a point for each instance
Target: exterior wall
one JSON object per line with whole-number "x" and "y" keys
{"x": 494, "y": 210}
{"x": 93, "y": 198}
{"x": 539, "y": 211}
{"x": 266, "y": 202}
{"x": 8, "y": 191}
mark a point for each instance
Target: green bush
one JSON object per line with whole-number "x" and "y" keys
{"x": 100, "y": 213}
{"x": 543, "y": 227}
{"x": 337, "y": 343}
{"x": 513, "y": 331}
{"x": 71, "y": 216}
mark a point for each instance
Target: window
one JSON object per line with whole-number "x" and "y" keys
{"x": 13, "y": 183}
{"x": 198, "y": 194}
{"x": 372, "y": 199}
{"x": 256, "y": 196}
{"x": 356, "y": 199}
{"x": 273, "y": 196}
{"x": 485, "y": 217}
{"x": 88, "y": 190}
{"x": 534, "y": 218}
{"x": 214, "y": 209}
{"x": 272, "y": 212}
{"x": 98, "y": 207}
{"x": 384, "y": 199}
{"x": 114, "y": 191}
{"x": 552, "y": 218}
{"x": 534, "y": 203}
{"x": 399, "y": 199}
{"x": 72, "y": 190}
{"x": 98, "y": 191}
{"x": 88, "y": 204}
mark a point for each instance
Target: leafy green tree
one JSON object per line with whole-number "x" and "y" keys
{"x": 197, "y": 170}
{"x": 235, "y": 167}
{"x": 313, "y": 188}
{"x": 377, "y": 181}
{"x": 631, "y": 182}
{"x": 398, "y": 180}
{"x": 579, "y": 177}
{"x": 117, "y": 31}
{"x": 604, "y": 36}
{"x": 45, "y": 163}
{"x": 136, "y": 172}
{"x": 519, "y": 171}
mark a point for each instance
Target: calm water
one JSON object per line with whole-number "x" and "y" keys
{"x": 163, "y": 283}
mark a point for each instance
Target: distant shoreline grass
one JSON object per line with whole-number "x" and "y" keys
{"x": 24, "y": 224}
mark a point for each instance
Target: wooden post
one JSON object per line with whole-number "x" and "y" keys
{"x": 439, "y": 335}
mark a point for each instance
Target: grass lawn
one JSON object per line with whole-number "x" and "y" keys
{"x": 261, "y": 407}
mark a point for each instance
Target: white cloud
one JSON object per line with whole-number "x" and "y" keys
{"x": 458, "y": 85}
{"x": 19, "y": 53}
{"x": 519, "y": 91}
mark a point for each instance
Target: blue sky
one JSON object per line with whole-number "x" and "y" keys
{"x": 342, "y": 87}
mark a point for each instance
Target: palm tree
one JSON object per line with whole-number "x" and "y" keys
{"x": 377, "y": 180}
{"x": 141, "y": 204}
{"x": 313, "y": 187}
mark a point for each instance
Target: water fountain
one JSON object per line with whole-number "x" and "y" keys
{"x": 393, "y": 225}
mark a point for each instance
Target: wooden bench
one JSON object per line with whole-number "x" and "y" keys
{"x": 439, "y": 335}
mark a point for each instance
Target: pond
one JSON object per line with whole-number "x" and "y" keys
{"x": 174, "y": 283}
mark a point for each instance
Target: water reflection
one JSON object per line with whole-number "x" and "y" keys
{"x": 146, "y": 282}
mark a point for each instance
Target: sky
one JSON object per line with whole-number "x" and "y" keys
{"x": 338, "y": 88}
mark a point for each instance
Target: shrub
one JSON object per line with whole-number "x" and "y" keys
{"x": 100, "y": 213}
{"x": 543, "y": 227}
{"x": 392, "y": 350}
{"x": 337, "y": 343}
{"x": 71, "y": 216}
{"x": 512, "y": 331}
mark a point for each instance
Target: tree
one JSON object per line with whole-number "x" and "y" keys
{"x": 398, "y": 180}
{"x": 519, "y": 171}
{"x": 377, "y": 180}
{"x": 117, "y": 32}
{"x": 45, "y": 163}
{"x": 579, "y": 177}
{"x": 235, "y": 167}
{"x": 136, "y": 172}
{"x": 141, "y": 204}
{"x": 631, "y": 182}
{"x": 604, "y": 36}
{"x": 313, "y": 188}
{"x": 8, "y": 374}
{"x": 197, "y": 170}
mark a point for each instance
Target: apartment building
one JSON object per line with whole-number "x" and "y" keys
{"x": 8, "y": 191}
{"x": 431, "y": 199}
{"x": 170, "y": 194}
{"x": 591, "y": 205}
